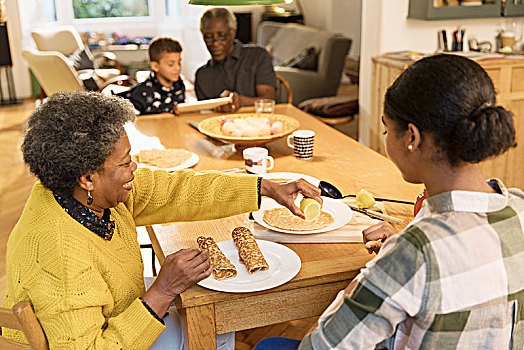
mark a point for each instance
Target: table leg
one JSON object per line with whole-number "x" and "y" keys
{"x": 200, "y": 325}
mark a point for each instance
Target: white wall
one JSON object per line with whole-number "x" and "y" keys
{"x": 385, "y": 27}
{"x": 20, "y": 72}
{"x": 339, "y": 16}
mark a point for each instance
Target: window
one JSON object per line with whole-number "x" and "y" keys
{"x": 112, "y": 8}
{"x": 173, "y": 8}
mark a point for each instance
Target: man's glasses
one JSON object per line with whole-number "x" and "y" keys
{"x": 211, "y": 38}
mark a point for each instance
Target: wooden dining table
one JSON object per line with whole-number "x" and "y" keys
{"x": 326, "y": 268}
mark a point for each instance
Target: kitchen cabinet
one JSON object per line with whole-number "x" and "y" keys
{"x": 508, "y": 78}
{"x": 514, "y": 8}
{"x": 440, "y": 9}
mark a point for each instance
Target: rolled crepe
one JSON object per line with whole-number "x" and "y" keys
{"x": 248, "y": 251}
{"x": 222, "y": 267}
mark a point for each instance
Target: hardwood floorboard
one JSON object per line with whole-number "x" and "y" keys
{"x": 15, "y": 186}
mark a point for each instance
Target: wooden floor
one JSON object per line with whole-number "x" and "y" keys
{"x": 15, "y": 186}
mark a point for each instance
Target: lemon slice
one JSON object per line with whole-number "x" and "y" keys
{"x": 365, "y": 199}
{"x": 310, "y": 208}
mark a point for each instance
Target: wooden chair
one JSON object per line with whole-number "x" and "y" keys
{"x": 21, "y": 317}
{"x": 283, "y": 92}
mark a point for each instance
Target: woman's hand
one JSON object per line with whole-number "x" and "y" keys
{"x": 286, "y": 193}
{"x": 180, "y": 271}
{"x": 233, "y": 106}
{"x": 375, "y": 235}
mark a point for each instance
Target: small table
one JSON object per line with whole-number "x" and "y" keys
{"x": 326, "y": 268}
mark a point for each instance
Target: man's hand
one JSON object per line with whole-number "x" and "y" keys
{"x": 375, "y": 235}
{"x": 175, "y": 110}
{"x": 286, "y": 193}
{"x": 231, "y": 107}
{"x": 180, "y": 271}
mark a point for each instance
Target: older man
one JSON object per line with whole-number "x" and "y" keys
{"x": 246, "y": 71}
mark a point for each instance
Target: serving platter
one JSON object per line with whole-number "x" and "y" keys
{"x": 284, "y": 264}
{"x": 211, "y": 127}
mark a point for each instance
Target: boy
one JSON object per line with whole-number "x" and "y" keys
{"x": 164, "y": 88}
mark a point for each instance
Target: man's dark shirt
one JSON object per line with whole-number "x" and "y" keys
{"x": 151, "y": 97}
{"x": 243, "y": 69}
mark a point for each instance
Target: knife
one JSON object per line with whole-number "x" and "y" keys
{"x": 376, "y": 214}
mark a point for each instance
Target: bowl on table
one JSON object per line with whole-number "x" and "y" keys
{"x": 212, "y": 128}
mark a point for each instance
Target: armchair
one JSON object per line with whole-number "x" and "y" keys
{"x": 286, "y": 41}
{"x": 67, "y": 41}
{"x": 54, "y": 74}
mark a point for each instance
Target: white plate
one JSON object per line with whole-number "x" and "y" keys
{"x": 292, "y": 176}
{"x": 340, "y": 212}
{"x": 187, "y": 164}
{"x": 284, "y": 264}
{"x": 204, "y": 104}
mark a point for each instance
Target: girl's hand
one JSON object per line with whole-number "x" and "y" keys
{"x": 377, "y": 234}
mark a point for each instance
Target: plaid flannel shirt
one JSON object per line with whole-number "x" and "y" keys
{"x": 453, "y": 279}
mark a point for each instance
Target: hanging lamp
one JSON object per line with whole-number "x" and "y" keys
{"x": 234, "y": 2}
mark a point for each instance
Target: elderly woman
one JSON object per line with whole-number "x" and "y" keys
{"x": 452, "y": 279}
{"x": 74, "y": 253}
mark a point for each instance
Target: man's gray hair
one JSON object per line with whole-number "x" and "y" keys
{"x": 218, "y": 12}
{"x": 71, "y": 135}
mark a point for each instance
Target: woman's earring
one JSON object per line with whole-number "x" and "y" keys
{"x": 410, "y": 147}
{"x": 89, "y": 198}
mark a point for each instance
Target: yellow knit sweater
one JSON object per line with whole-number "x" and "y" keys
{"x": 84, "y": 289}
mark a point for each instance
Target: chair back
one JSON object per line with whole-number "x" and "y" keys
{"x": 117, "y": 85}
{"x": 52, "y": 71}
{"x": 21, "y": 317}
{"x": 283, "y": 92}
{"x": 64, "y": 39}
{"x": 288, "y": 39}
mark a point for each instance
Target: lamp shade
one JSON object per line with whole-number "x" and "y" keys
{"x": 234, "y": 2}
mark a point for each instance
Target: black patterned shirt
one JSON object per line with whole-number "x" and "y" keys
{"x": 101, "y": 226}
{"x": 151, "y": 97}
{"x": 242, "y": 70}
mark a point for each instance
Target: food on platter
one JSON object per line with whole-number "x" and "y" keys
{"x": 310, "y": 207}
{"x": 284, "y": 219}
{"x": 250, "y": 127}
{"x": 365, "y": 199}
{"x": 248, "y": 251}
{"x": 222, "y": 267}
{"x": 163, "y": 158}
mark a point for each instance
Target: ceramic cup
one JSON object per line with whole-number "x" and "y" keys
{"x": 256, "y": 160}
{"x": 302, "y": 143}
{"x": 264, "y": 106}
{"x": 508, "y": 39}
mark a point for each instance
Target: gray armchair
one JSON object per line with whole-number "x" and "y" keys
{"x": 285, "y": 41}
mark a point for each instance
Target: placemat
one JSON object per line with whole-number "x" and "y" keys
{"x": 349, "y": 233}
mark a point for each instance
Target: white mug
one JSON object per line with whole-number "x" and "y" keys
{"x": 256, "y": 160}
{"x": 302, "y": 143}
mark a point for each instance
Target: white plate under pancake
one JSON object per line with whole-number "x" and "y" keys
{"x": 338, "y": 210}
{"x": 284, "y": 264}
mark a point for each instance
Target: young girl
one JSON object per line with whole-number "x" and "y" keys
{"x": 454, "y": 277}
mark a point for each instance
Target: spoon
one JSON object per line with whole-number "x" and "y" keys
{"x": 329, "y": 190}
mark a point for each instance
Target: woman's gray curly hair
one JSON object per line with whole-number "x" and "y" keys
{"x": 71, "y": 135}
